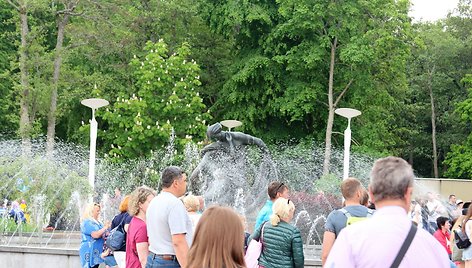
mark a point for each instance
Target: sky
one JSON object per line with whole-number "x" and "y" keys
{"x": 431, "y": 10}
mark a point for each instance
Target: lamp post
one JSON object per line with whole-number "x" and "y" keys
{"x": 231, "y": 123}
{"x": 93, "y": 104}
{"x": 347, "y": 113}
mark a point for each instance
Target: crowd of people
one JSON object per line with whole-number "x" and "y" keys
{"x": 15, "y": 210}
{"x": 378, "y": 226}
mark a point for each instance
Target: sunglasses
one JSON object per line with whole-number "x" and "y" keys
{"x": 280, "y": 186}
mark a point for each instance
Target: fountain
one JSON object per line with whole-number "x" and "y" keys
{"x": 58, "y": 187}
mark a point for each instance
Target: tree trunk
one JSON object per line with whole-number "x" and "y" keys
{"x": 55, "y": 80}
{"x": 331, "y": 107}
{"x": 433, "y": 123}
{"x": 25, "y": 123}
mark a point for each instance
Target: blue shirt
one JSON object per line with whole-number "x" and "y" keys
{"x": 90, "y": 248}
{"x": 264, "y": 214}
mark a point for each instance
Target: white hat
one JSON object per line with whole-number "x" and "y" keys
{"x": 459, "y": 201}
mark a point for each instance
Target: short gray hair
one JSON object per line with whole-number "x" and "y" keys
{"x": 390, "y": 178}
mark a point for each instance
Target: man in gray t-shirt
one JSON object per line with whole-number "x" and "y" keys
{"x": 352, "y": 191}
{"x": 169, "y": 227}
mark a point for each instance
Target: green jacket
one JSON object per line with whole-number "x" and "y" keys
{"x": 282, "y": 246}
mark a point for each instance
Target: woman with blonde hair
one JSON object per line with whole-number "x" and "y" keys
{"x": 218, "y": 240}
{"x": 192, "y": 204}
{"x": 137, "y": 246}
{"x": 282, "y": 244}
{"x": 93, "y": 231}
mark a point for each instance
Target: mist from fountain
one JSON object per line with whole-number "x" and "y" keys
{"x": 237, "y": 180}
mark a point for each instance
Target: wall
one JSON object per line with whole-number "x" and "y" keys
{"x": 14, "y": 256}
{"x": 22, "y": 257}
{"x": 461, "y": 188}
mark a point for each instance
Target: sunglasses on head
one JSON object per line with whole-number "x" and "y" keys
{"x": 280, "y": 186}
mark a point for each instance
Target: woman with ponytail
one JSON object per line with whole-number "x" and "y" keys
{"x": 467, "y": 229}
{"x": 282, "y": 243}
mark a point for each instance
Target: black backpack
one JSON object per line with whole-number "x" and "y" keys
{"x": 462, "y": 240}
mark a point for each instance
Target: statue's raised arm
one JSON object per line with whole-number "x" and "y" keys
{"x": 227, "y": 141}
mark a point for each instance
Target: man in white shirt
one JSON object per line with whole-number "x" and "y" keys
{"x": 169, "y": 227}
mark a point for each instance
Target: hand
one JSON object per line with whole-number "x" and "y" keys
{"x": 107, "y": 225}
{"x": 105, "y": 253}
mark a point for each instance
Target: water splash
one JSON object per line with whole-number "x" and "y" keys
{"x": 238, "y": 180}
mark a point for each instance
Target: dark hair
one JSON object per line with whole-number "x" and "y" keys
{"x": 441, "y": 221}
{"x": 274, "y": 188}
{"x": 170, "y": 174}
{"x": 466, "y": 218}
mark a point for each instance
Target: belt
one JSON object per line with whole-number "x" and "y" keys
{"x": 165, "y": 257}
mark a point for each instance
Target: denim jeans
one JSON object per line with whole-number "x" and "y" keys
{"x": 154, "y": 261}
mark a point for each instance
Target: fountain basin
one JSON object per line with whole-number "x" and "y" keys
{"x": 19, "y": 256}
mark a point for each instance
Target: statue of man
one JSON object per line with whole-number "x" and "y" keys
{"x": 227, "y": 141}
{"x": 222, "y": 167}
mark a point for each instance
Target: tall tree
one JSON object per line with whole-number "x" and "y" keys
{"x": 293, "y": 55}
{"x": 459, "y": 158}
{"x": 25, "y": 122}
{"x": 166, "y": 98}
{"x": 62, "y": 19}
{"x": 435, "y": 71}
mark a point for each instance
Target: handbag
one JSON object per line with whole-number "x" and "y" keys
{"x": 117, "y": 238}
{"x": 254, "y": 250}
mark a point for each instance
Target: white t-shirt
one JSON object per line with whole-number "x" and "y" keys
{"x": 167, "y": 216}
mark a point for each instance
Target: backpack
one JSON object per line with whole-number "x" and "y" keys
{"x": 117, "y": 238}
{"x": 461, "y": 239}
{"x": 351, "y": 219}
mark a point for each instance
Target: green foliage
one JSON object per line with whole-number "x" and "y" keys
{"x": 8, "y": 225}
{"x": 281, "y": 73}
{"x": 166, "y": 99}
{"x": 8, "y": 105}
{"x": 40, "y": 181}
{"x": 328, "y": 184}
{"x": 459, "y": 159}
{"x": 433, "y": 66}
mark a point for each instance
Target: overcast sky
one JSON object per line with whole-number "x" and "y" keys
{"x": 431, "y": 10}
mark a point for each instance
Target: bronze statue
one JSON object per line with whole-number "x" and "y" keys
{"x": 222, "y": 168}
{"x": 228, "y": 141}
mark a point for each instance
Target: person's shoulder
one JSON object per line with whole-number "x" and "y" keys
{"x": 335, "y": 214}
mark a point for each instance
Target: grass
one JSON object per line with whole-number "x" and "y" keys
{"x": 8, "y": 225}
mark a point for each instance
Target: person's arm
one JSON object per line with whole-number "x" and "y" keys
{"x": 181, "y": 248}
{"x": 239, "y": 138}
{"x": 261, "y": 217}
{"x": 98, "y": 233}
{"x": 328, "y": 241}
{"x": 143, "y": 252}
{"x": 256, "y": 234}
